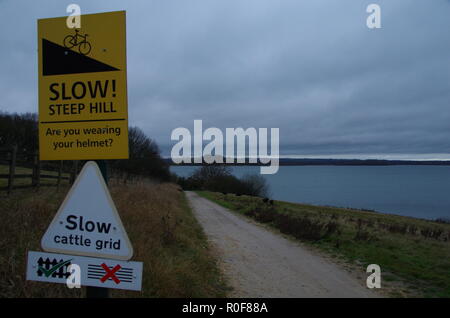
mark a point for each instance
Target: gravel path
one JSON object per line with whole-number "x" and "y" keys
{"x": 259, "y": 263}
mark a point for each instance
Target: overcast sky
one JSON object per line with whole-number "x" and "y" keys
{"x": 309, "y": 67}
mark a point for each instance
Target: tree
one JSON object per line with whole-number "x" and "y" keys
{"x": 144, "y": 157}
{"x": 20, "y": 130}
{"x": 141, "y": 146}
{"x": 211, "y": 171}
{"x": 255, "y": 185}
{"x": 219, "y": 179}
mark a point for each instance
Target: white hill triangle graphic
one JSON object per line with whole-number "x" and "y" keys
{"x": 87, "y": 223}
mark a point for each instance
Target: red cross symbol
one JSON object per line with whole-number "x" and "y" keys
{"x": 110, "y": 273}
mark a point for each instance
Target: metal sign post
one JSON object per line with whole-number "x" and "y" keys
{"x": 99, "y": 292}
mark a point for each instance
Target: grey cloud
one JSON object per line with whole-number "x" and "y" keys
{"x": 311, "y": 68}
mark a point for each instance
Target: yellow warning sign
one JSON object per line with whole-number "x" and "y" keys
{"x": 83, "y": 112}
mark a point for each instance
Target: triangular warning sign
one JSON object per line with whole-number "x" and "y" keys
{"x": 87, "y": 223}
{"x": 57, "y": 60}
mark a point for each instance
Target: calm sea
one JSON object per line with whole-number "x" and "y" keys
{"x": 417, "y": 191}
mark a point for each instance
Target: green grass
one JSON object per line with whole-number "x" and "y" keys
{"x": 413, "y": 252}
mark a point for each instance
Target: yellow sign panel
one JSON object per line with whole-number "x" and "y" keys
{"x": 83, "y": 112}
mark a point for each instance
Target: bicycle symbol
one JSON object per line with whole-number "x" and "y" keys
{"x": 84, "y": 47}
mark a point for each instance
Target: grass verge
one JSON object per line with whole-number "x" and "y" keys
{"x": 164, "y": 233}
{"x": 414, "y": 254}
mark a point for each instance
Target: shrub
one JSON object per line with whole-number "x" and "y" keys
{"x": 218, "y": 178}
{"x": 255, "y": 185}
{"x": 265, "y": 215}
{"x": 299, "y": 227}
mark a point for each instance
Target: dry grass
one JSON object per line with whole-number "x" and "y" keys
{"x": 164, "y": 234}
{"x": 170, "y": 242}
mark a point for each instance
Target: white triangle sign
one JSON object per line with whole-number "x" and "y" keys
{"x": 87, "y": 223}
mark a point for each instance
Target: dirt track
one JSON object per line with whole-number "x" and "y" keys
{"x": 259, "y": 263}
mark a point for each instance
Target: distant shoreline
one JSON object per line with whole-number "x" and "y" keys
{"x": 331, "y": 162}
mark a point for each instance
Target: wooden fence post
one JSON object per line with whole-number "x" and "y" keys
{"x": 59, "y": 174}
{"x": 33, "y": 172}
{"x": 36, "y": 177}
{"x": 74, "y": 172}
{"x": 71, "y": 176}
{"x": 12, "y": 168}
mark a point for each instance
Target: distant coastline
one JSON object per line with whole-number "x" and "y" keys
{"x": 331, "y": 162}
